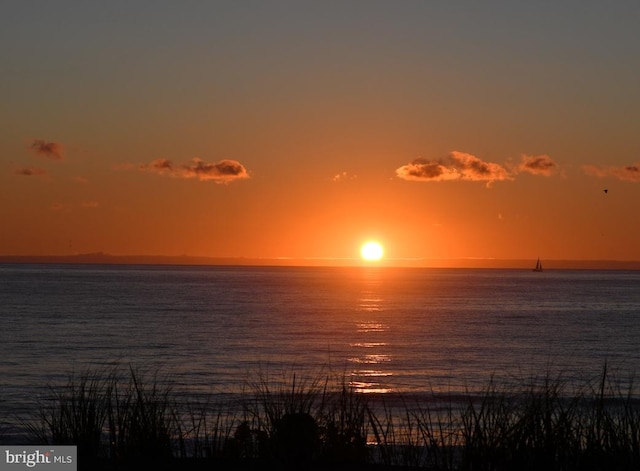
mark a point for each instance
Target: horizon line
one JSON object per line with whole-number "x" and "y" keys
{"x": 184, "y": 259}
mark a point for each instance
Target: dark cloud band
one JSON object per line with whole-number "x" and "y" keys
{"x": 224, "y": 171}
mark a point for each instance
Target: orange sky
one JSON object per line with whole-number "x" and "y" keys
{"x": 300, "y": 130}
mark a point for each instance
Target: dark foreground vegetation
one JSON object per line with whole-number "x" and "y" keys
{"x": 129, "y": 420}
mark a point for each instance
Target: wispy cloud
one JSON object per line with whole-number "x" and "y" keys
{"x": 342, "y": 176}
{"x": 161, "y": 166}
{"x": 224, "y": 171}
{"x": 538, "y": 165}
{"x": 30, "y": 172}
{"x": 455, "y": 166}
{"x": 49, "y": 150}
{"x": 629, "y": 173}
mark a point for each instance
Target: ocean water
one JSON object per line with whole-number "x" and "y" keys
{"x": 406, "y": 330}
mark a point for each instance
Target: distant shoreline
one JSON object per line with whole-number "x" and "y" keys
{"x": 107, "y": 259}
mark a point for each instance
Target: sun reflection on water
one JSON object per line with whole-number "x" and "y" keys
{"x": 371, "y": 358}
{"x": 368, "y": 344}
{"x": 372, "y": 326}
{"x": 370, "y": 304}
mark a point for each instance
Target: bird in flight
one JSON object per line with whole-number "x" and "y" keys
{"x": 606, "y": 190}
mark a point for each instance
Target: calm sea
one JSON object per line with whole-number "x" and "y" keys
{"x": 385, "y": 329}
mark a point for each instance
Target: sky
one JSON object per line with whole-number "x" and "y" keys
{"x": 298, "y": 130}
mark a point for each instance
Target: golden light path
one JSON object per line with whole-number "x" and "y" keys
{"x": 371, "y": 251}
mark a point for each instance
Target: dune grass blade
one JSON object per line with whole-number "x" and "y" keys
{"x": 129, "y": 418}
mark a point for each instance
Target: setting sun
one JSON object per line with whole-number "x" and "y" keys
{"x": 371, "y": 251}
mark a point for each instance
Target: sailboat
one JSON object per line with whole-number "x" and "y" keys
{"x": 538, "y": 265}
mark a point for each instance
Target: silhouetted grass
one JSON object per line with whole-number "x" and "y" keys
{"x": 106, "y": 417}
{"x": 132, "y": 418}
{"x": 76, "y": 414}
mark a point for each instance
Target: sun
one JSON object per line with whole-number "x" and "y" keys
{"x": 371, "y": 251}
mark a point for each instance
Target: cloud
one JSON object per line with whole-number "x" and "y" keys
{"x": 342, "y": 176}
{"x": 224, "y": 171}
{"x": 161, "y": 166}
{"x": 630, "y": 173}
{"x": 455, "y": 166}
{"x": 31, "y": 172}
{"x": 538, "y": 165}
{"x": 50, "y": 150}
{"x": 220, "y": 172}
